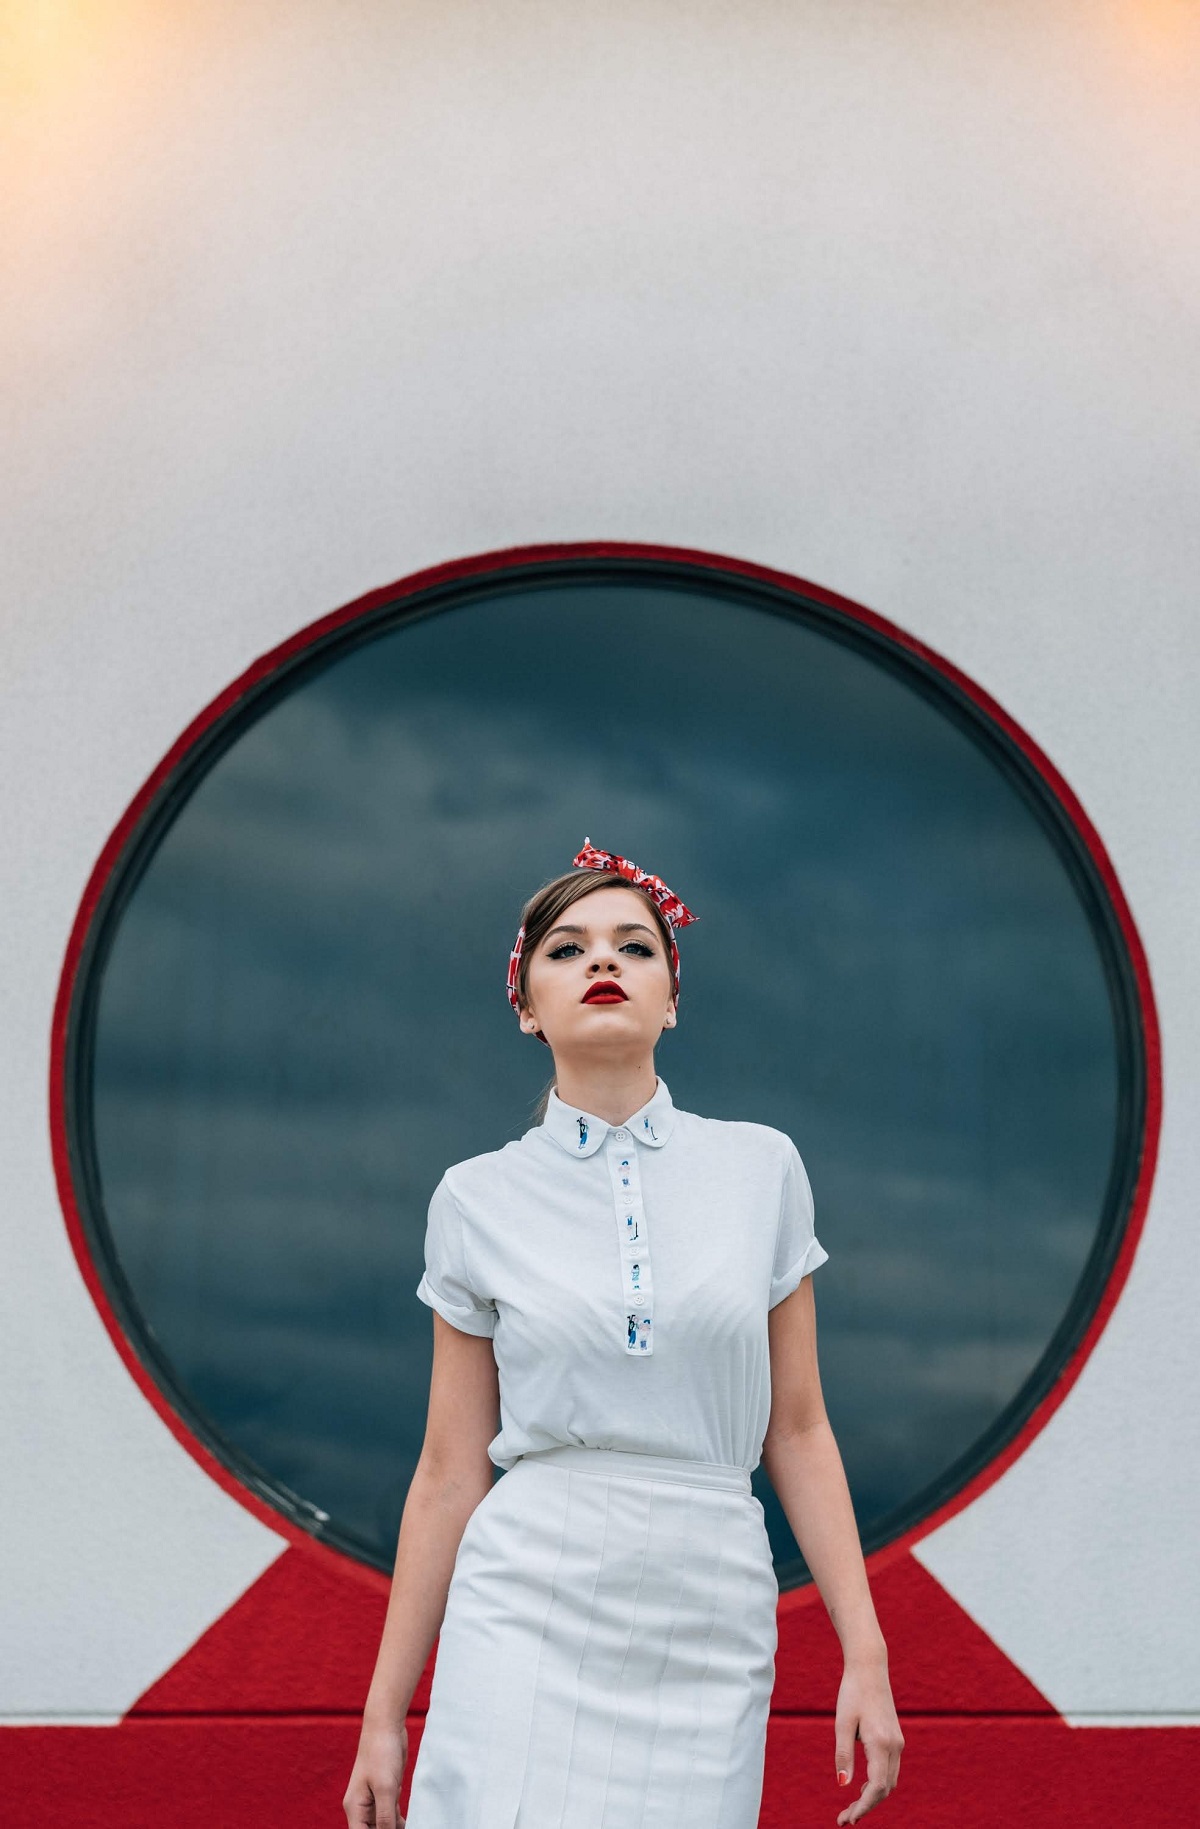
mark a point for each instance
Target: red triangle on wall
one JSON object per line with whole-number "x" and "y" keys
{"x": 939, "y": 1658}
{"x": 302, "y": 1639}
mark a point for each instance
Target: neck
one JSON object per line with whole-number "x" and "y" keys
{"x": 612, "y": 1091}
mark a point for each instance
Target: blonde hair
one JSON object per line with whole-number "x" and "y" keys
{"x": 542, "y": 911}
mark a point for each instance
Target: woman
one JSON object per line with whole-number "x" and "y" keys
{"x": 627, "y": 1288}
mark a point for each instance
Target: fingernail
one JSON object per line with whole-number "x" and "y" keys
{"x": 843, "y": 1778}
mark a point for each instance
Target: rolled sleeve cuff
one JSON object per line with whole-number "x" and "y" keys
{"x": 814, "y": 1256}
{"x": 467, "y": 1320}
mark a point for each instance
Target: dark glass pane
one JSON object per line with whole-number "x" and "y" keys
{"x": 301, "y": 1018}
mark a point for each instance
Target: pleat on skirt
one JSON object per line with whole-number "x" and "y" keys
{"x": 607, "y": 1655}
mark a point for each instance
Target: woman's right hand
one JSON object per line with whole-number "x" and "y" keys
{"x": 453, "y": 1474}
{"x": 372, "y": 1799}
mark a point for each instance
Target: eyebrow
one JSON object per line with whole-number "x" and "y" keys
{"x": 621, "y": 927}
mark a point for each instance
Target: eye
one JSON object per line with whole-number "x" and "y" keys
{"x": 641, "y": 946}
{"x": 560, "y": 950}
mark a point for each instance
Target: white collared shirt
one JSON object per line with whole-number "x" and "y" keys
{"x": 623, "y": 1274}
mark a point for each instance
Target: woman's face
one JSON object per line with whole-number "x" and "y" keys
{"x": 608, "y": 937}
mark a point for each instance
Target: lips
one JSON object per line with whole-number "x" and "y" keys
{"x": 606, "y": 993}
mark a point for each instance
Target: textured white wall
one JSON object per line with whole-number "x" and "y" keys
{"x": 300, "y": 298}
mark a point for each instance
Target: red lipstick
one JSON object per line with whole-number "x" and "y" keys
{"x": 605, "y": 990}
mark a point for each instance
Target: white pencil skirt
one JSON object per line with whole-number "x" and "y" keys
{"x": 607, "y": 1655}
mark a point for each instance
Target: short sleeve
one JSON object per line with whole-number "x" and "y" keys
{"x": 797, "y": 1248}
{"x": 445, "y": 1284}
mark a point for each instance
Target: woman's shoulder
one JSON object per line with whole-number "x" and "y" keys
{"x": 480, "y": 1172}
{"x": 742, "y": 1134}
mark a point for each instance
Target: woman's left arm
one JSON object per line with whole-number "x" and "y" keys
{"x": 802, "y": 1461}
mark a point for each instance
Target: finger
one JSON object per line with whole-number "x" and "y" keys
{"x": 874, "y": 1790}
{"x": 845, "y": 1727}
{"x": 883, "y": 1766}
{"x": 357, "y": 1805}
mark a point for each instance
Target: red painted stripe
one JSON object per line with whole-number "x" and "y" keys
{"x": 291, "y": 1773}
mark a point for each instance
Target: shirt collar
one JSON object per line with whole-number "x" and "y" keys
{"x": 581, "y": 1133}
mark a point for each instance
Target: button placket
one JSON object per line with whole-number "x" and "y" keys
{"x": 637, "y": 1292}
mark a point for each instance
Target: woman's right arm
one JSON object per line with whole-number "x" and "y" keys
{"x": 452, "y": 1475}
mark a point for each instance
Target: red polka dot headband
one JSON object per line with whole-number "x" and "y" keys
{"x": 669, "y": 904}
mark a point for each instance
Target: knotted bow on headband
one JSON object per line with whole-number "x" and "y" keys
{"x": 670, "y": 906}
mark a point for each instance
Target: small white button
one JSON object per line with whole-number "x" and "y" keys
{"x": 637, "y": 1299}
{"x": 622, "y": 1136}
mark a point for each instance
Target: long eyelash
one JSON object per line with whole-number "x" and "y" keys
{"x": 648, "y": 950}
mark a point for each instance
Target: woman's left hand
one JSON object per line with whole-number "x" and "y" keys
{"x": 865, "y": 1708}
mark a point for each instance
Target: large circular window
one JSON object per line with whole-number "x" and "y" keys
{"x": 290, "y": 1013}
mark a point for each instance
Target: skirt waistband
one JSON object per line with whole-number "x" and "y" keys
{"x": 620, "y": 1462}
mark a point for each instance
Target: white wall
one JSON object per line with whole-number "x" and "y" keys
{"x": 902, "y": 298}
